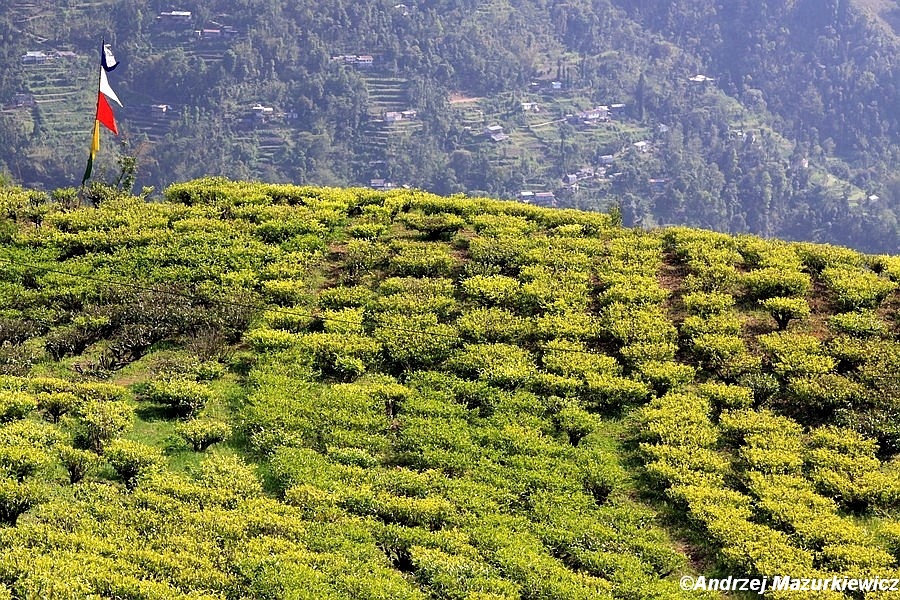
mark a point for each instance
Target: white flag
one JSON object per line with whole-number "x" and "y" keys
{"x": 108, "y": 91}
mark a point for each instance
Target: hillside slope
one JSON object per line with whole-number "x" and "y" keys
{"x": 271, "y": 391}
{"x": 763, "y": 116}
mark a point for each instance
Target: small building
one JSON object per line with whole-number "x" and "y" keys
{"x": 262, "y": 113}
{"x": 36, "y": 57}
{"x": 530, "y": 107}
{"x": 160, "y": 109}
{"x": 209, "y": 34}
{"x": 642, "y": 146}
{"x": 392, "y": 116}
{"x": 545, "y": 198}
{"x": 607, "y": 159}
{"x": 493, "y": 130}
{"x": 526, "y": 196}
{"x": 658, "y": 185}
{"x": 175, "y": 16}
{"x": 365, "y": 60}
{"x": 381, "y": 184}
{"x": 700, "y": 79}
{"x": 598, "y": 113}
{"x": 65, "y": 54}
{"x": 556, "y": 85}
{"x": 499, "y": 137}
{"x": 23, "y": 99}
{"x": 410, "y": 114}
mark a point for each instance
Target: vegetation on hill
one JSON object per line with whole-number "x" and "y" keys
{"x": 776, "y": 118}
{"x": 273, "y": 391}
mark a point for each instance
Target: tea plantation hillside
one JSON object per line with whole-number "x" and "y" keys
{"x": 271, "y": 391}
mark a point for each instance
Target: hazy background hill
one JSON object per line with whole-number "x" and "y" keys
{"x": 779, "y": 118}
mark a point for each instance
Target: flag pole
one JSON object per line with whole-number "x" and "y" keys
{"x": 95, "y": 136}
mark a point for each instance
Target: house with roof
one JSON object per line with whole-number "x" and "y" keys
{"x": 36, "y": 57}
{"x": 24, "y": 99}
{"x": 642, "y": 146}
{"x": 545, "y": 198}
{"x": 175, "y": 16}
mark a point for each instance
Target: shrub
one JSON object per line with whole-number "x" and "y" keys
{"x": 575, "y": 422}
{"x": 725, "y": 323}
{"x": 628, "y": 324}
{"x": 345, "y": 297}
{"x": 363, "y": 256}
{"x": 414, "y": 341}
{"x": 605, "y": 391}
{"x": 708, "y": 303}
{"x": 862, "y": 323}
{"x": 99, "y": 422}
{"x": 492, "y": 325}
{"x": 566, "y": 325}
{"x": 664, "y": 376}
{"x": 56, "y": 404}
{"x": 493, "y": 290}
{"x": 723, "y": 396}
{"x": 345, "y": 320}
{"x": 439, "y": 226}
{"x": 17, "y": 497}
{"x": 21, "y": 462}
{"x": 15, "y": 405}
{"x": 131, "y": 459}
{"x": 854, "y": 289}
{"x": 818, "y": 395}
{"x": 344, "y": 356}
{"x": 772, "y": 282}
{"x": 200, "y": 434}
{"x": 422, "y": 260}
{"x": 574, "y": 359}
{"x": 499, "y": 364}
{"x": 183, "y": 396}
{"x": 266, "y": 340}
{"x": 785, "y": 310}
{"x": 78, "y": 463}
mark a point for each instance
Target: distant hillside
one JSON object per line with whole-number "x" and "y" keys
{"x": 274, "y": 391}
{"x": 776, "y": 118}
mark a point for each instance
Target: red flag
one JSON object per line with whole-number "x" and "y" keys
{"x": 105, "y": 114}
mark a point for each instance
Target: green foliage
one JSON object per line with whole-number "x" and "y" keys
{"x": 493, "y": 290}
{"x": 664, "y": 376}
{"x": 131, "y": 460}
{"x": 414, "y": 341}
{"x": 78, "y": 463}
{"x": 861, "y": 323}
{"x": 775, "y": 282}
{"x": 855, "y": 289}
{"x": 499, "y": 364}
{"x": 15, "y": 405}
{"x": 200, "y": 434}
{"x": 488, "y": 427}
{"x": 343, "y": 356}
{"x": 414, "y": 259}
{"x": 708, "y": 303}
{"x": 785, "y": 310}
{"x": 183, "y": 396}
{"x": 99, "y": 422}
{"x": 492, "y": 325}
{"x": 16, "y": 497}
{"x": 438, "y": 226}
